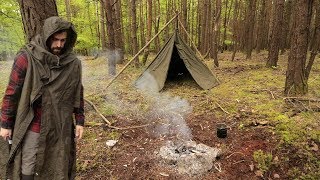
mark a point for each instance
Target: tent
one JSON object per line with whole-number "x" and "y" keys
{"x": 176, "y": 59}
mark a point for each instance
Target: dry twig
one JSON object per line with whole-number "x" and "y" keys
{"x": 270, "y": 93}
{"x": 222, "y": 108}
{"x": 234, "y": 153}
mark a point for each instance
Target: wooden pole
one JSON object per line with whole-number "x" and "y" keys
{"x": 195, "y": 47}
{"x": 111, "y": 81}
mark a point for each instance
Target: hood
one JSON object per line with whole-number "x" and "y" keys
{"x": 38, "y": 46}
{"x": 54, "y": 24}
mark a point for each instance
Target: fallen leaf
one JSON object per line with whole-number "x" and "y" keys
{"x": 263, "y": 123}
{"x": 314, "y": 146}
{"x": 251, "y": 167}
{"x": 164, "y": 174}
{"x": 259, "y": 173}
{"x": 276, "y": 176}
{"x": 111, "y": 143}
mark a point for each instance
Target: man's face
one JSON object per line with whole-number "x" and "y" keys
{"x": 58, "y": 41}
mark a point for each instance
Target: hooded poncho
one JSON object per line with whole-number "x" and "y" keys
{"x": 58, "y": 81}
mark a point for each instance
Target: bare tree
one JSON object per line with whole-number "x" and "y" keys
{"x": 149, "y": 30}
{"x": 203, "y": 25}
{"x": 275, "y": 33}
{"x": 184, "y": 17}
{"x": 296, "y": 81}
{"x": 111, "y": 38}
{"x": 118, "y": 25}
{"x": 261, "y": 29}
{"x": 68, "y": 9}
{"x": 134, "y": 27}
{"x": 250, "y": 27}
{"x": 235, "y": 28}
{"x": 287, "y": 18}
{"x": 216, "y": 32}
{"x": 103, "y": 25}
{"x": 316, "y": 39}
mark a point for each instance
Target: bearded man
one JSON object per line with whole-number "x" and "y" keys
{"x": 44, "y": 92}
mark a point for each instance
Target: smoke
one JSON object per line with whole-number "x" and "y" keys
{"x": 113, "y": 57}
{"x": 148, "y": 84}
{"x": 166, "y": 113}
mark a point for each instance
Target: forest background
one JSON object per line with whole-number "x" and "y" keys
{"x": 232, "y": 32}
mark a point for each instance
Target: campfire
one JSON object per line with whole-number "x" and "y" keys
{"x": 188, "y": 157}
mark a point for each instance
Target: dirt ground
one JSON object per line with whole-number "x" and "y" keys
{"x": 133, "y": 156}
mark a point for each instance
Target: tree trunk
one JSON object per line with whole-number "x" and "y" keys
{"x": 149, "y": 31}
{"x": 235, "y": 36}
{"x": 68, "y": 9}
{"x": 296, "y": 81}
{"x": 118, "y": 31}
{"x": 102, "y": 25}
{"x": 98, "y": 25}
{"x": 89, "y": 18}
{"x": 192, "y": 26}
{"x": 184, "y": 17}
{"x": 275, "y": 34}
{"x": 167, "y": 18}
{"x": 33, "y": 13}
{"x": 250, "y": 27}
{"x": 111, "y": 37}
{"x": 203, "y": 25}
{"x": 316, "y": 37}
{"x": 128, "y": 28}
{"x": 261, "y": 26}
{"x": 216, "y": 32}
{"x": 286, "y": 26}
{"x": 156, "y": 24}
{"x": 118, "y": 25}
{"x": 134, "y": 30}
{"x": 142, "y": 24}
{"x": 225, "y": 20}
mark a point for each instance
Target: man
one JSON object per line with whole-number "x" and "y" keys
{"x": 44, "y": 92}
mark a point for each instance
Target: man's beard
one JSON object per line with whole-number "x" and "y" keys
{"x": 56, "y": 51}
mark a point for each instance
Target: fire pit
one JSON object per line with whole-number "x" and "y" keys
{"x": 188, "y": 157}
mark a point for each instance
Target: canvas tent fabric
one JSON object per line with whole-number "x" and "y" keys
{"x": 174, "y": 59}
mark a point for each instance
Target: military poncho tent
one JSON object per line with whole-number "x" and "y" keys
{"x": 175, "y": 59}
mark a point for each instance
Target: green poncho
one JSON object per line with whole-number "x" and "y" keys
{"x": 58, "y": 81}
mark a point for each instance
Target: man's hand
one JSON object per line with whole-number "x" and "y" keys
{"x": 5, "y": 133}
{"x": 79, "y": 132}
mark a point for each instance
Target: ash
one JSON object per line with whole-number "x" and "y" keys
{"x": 188, "y": 157}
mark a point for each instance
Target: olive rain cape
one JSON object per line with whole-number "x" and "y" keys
{"x": 58, "y": 81}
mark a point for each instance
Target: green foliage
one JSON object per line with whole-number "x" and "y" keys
{"x": 11, "y": 30}
{"x": 83, "y": 16}
{"x": 264, "y": 160}
{"x": 227, "y": 42}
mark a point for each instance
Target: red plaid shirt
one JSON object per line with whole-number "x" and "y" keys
{"x": 13, "y": 93}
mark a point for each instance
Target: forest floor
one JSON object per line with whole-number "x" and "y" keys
{"x": 269, "y": 136}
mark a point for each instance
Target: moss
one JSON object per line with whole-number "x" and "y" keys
{"x": 263, "y": 160}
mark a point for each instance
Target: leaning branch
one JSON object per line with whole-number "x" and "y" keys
{"x": 100, "y": 114}
{"x": 108, "y": 123}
